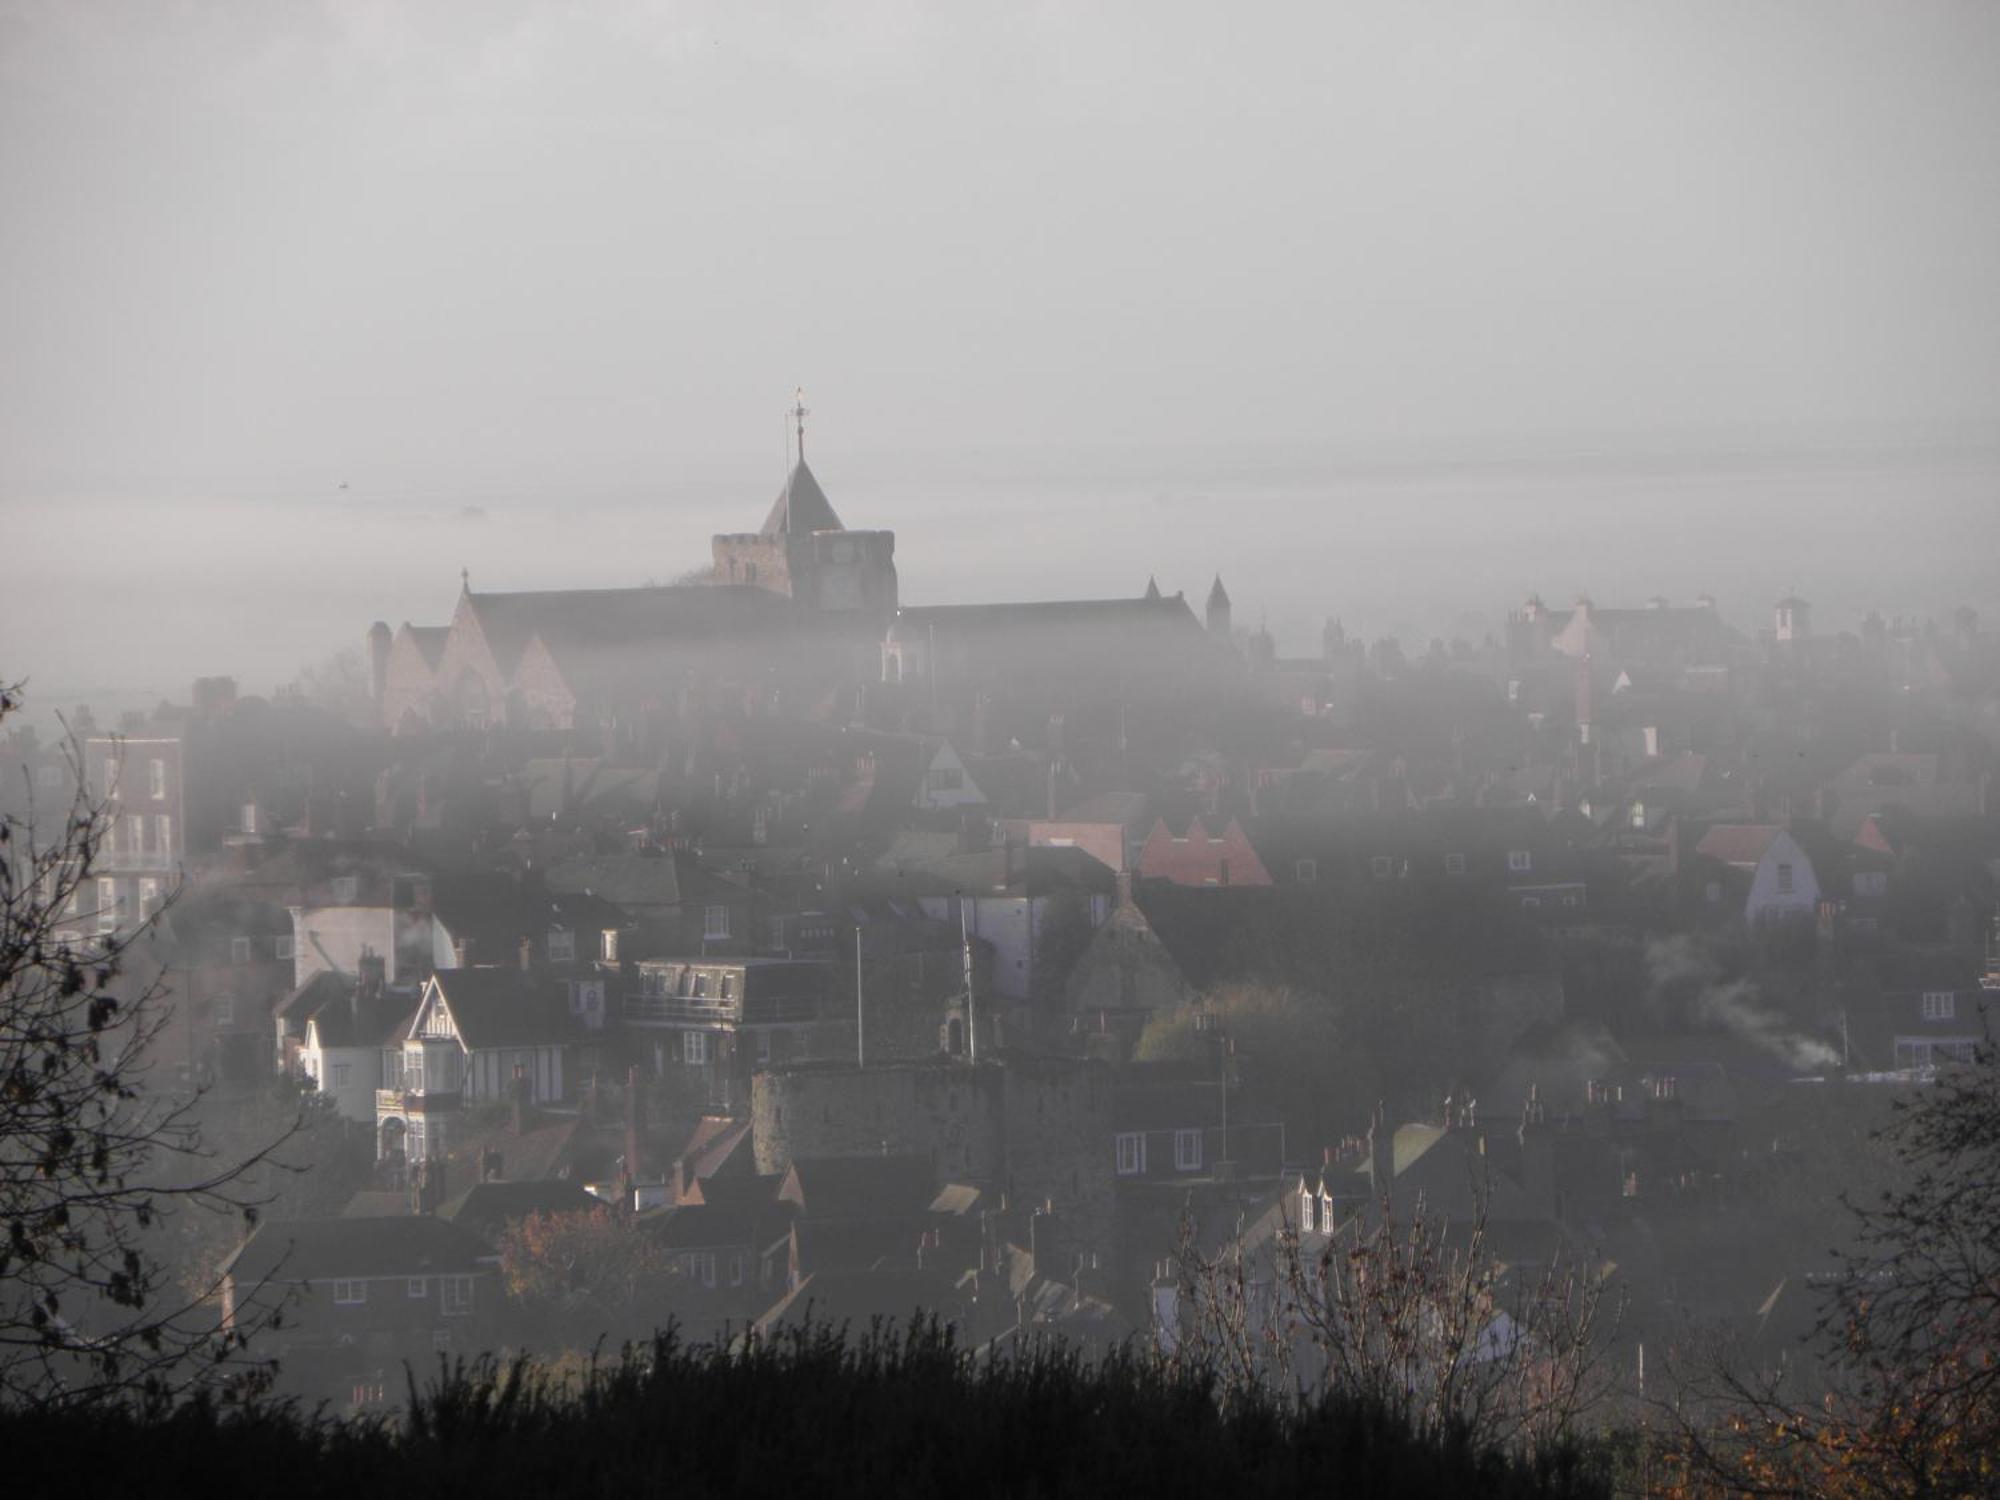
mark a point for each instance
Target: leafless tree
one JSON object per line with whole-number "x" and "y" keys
{"x": 1406, "y": 1313}
{"x": 93, "y": 1154}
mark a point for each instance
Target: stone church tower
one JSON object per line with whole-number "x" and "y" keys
{"x": 804, "y": 552}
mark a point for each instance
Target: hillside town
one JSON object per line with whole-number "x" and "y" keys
{"x": 764, "y": 946}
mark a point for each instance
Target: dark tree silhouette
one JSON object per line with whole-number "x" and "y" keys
{"x": 94, "y": 1154}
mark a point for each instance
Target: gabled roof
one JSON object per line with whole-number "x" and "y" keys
{"x": 323, "y": 1249}
{"x": 503, "y": 1007}
{"x": 857, "y": 1298}
{"x": 571, "y": 621}
{"x": 486, "y": 1208}
{"x": 801, "y": 507}
{"x": 859, "y": 1187}
{"x": 1739, "y": 844}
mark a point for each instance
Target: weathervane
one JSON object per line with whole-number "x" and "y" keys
{"x": 799, "y": 414}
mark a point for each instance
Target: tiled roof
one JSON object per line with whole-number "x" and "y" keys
{"x": 486, "y": 1208}
{"x": 323, "y": 1249}
{"x": 503, "y": 1007}
{"x": 1741, "y": 844}
{"x": 801, "y": 507}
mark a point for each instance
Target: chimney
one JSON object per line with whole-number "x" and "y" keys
{"x": 461, "y": 950}
{"x": 378, "y": 660}
{"x": 631, "y": 1132}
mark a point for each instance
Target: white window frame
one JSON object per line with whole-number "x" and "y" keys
{"x": 107, "y": 904}
{"x": 163, "y": 830}
{"x": 350, "y": 1293}
{"x": 149, "y": 898}
{"x": 1940, "y": 1005}
{"x": 701, "y": 1267}
{"x": 714, "y": 922}
{"x": 1785, "y": 878}
{"x": 1305, "y": 871}
{"x": 695, "y": 1051}
{"x": 225, "y": 1010}
{"x": 418, "y": 1286}
{"x": 345, "y": 889}
{"x": 239, "y": 950}
{"x": 284, "y": 947}
{"x": 608, "y": 945}
{"x": 1187, "y": 1150}
{"x": 455, "y": 1296}
{"x": 1520, "y": 861}
{"x": 156, "y": 778}
{"x": 342, "y": 1074}
{"x": 1131, "y": 1147}
{"x": 1454, "y": 864}
{"x": 562, "y": 947}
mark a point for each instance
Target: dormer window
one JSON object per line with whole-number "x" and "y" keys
{"x": 608, "y": 945}
{"x": 1520, "y": 861}
{"x": 1940, "y": 1005}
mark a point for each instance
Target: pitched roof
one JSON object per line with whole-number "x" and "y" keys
{"x": 570, "y": 620}
{"x": 857, "y": 1298}
{"x": 854, "y": 1187}
{"x": 486, "y": 1208}
{"x": 504, "y": 1007}
{"x": 1217, "y": 594}
{"x": 801, "y": 507}
{"x": 1741, "y": 844}
{"x": 320, "y": 1249}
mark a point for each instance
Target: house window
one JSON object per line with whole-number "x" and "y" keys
{"x": 1187, "y": 1150}
{"x": 107, "y": 904}
{"x": 225, "y": 1010}
{"x": 163, "y": 830}
{"x": 701, "y": 1267}
{"x": 345, "y": 889}
{"x": 1784, "y": 880}
{"x": 562, "y": 947}
{"x": 694, "y": 1048}
{"x": 1454, "y": 864}
{"x": 763, "y": 1048}
{"x": 1380, "y": 866}
{"x": 1131, "y": 1153}
{"x": 342, "y": 1073}
{"x": 455, "y": 1292}
{"x": 283, "y": 948}
{"x": 728, "y": 986}
{"x": 135, "y": 831}
{"x": 1308, "y": 1209}
{"x": 1306, "y": 871}
{"x": 239, "y": 950}
{"x": 156, "y": 779}
{"x": 440, "y": 1341}
{"x": 149, "y": 899}
{"x": 1940, "y": 1005}
{"x": 1520, "y": 860}
{"x": 1714, "y": 892}
{"x": 350, "y": 1293}
{"x": 420, "y": 1286}
{"x": 248, "y": 814}
{"x": 736, "y": 1269}
{"x": 715, "y": 922}
{"x": 608, "y": 945}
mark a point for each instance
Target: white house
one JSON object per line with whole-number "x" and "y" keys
{"x": 1773, "y": 878}
{"x": 476, "y": 1036}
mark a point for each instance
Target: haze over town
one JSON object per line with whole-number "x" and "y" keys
{"x": 1308, "y": 695}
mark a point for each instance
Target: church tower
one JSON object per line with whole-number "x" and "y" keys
{"x": 1218, "y": 610}
{"x": 804, "y": 552}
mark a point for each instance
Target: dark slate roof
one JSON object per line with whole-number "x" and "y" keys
{"x": 857, "y": 1244}
{"x": 708, "y": 1226}
{"x": 857, "y": 1298}
{"x": 911, "y": 622}
{"x": 858, "y": 1187}
{"x": 569, "y": 620}
{"x": 324, "y": 1249}
{"x": 503, "y": 1007}
{"x": 801, "y": 507}
{"x": 486, "y": 1208}
{"x": 625, "y": 880}
{"x": 1218, "y": 595}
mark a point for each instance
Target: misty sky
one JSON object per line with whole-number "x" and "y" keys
{"x": 521, "y": 255}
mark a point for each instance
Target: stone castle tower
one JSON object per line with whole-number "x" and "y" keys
{"x": 804, "y": 552}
